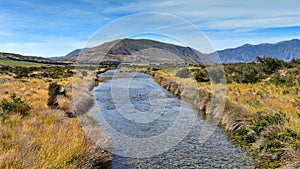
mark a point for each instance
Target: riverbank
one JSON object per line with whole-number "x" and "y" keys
{"x": 246, "y": 129}
{"x": 43, "y": 137}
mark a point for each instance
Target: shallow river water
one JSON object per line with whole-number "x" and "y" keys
{"x": 152, "y": 128}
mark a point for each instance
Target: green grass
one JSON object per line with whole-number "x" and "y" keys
{"x": 14, "y": 63}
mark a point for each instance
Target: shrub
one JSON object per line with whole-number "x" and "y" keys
{"x": 84, "y": 73}
{"x": 201, "y": 75}
{"x": 21, "y": 72}
{"x": 242, "y": 131}
{"x": 14, "y": 105}
{"x": 272, "y": 146}
{"x": 267, "y": 120}
{"x": 269, "y": 64}
{"x": 184, "y": 73}
{"x": 249, "y": 138}
{"x": 244, "y": 73}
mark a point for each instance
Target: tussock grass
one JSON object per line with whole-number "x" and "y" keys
{"x": 81, "y": 91}
{"x": 45, "y": 138}
{"x": 278, "y": 142}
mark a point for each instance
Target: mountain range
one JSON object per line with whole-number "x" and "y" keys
{"x": 149, "y": 51}
{"x": 155, "y": 52}
{"x": 284, "y": 50}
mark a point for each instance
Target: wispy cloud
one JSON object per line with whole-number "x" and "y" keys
{"x": 225, "y": 14}
{"x": 68, "y": 24}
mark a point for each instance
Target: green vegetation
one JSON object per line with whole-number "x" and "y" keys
{"x": 14, "y": 105}
{"x": 14, "y": 63}
{"x": 54, "y": 72}
{"x": 275, "y": 71}
{"x": 273, "y": 139}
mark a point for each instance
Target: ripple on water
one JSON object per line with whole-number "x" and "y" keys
{"x": 146, "y": 99}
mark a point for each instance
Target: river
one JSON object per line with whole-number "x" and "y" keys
{"x": 152, "y": 128}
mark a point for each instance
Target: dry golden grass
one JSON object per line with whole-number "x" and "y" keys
{"x": 267, "y": 97}
{"x": 255, "y": 97}
{"x": 45, "y": 138}
{"x": 243, "y": 101}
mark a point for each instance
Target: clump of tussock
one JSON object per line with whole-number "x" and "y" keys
{"x": 234, "y": 116}
{"x": 81, "y": 91}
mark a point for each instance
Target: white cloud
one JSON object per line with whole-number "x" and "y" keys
{"x": 23, "y": 28}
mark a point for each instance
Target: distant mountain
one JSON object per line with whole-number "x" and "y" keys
{"x": 150, "y": 51}
{"x": 285, "y": 50}
{"x": 137, "y": 51}
{"x": 36, "y": 59}
{"x": 56, "y": 57}
{"x": 75, "y": 52}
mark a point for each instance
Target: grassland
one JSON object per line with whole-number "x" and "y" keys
{"x": 14, "y": 63}
{"x": 45, "y": 137}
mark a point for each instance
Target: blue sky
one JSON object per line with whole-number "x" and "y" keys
{"x": 54, "y": 28}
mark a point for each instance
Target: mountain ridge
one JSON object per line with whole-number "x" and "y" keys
{"x": 35, "y": 59}
{"x": 151, "y": 51}
{"x": 284, "y": 50}
{"x": 138, "y": 51}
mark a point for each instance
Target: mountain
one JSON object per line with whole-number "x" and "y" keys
{"x": 75, "y": 52}
{"x": 56, "y": 57}
{"x": 285, "y": 50}
{"x": 137, "y": 51}
{"x": 36, "y": 59}
{"x": 150, "y": 51}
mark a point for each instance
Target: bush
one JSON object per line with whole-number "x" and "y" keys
{"x": 14, "y": 105}
{"x": 184, "y": 73}
{"x": 249, "y": 138}
{"x": 242, "y": 131}
{"x": 269, "y": 65}
{"x": 201, "y": 75}
{"x": 84, "y": 73}
{"x": 267, "y": 120}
